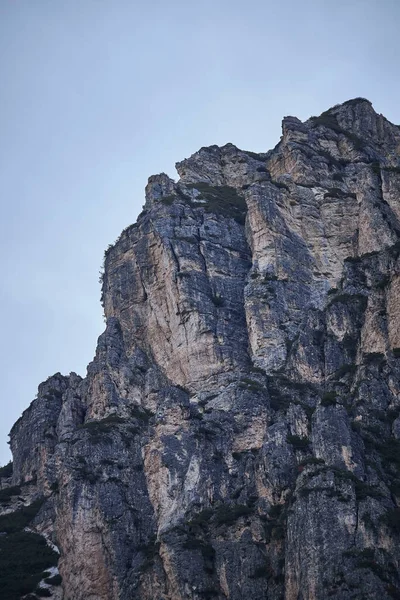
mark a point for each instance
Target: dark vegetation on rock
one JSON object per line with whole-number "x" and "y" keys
{"x": 24, "y": 555}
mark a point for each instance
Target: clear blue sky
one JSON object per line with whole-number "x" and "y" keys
{"x": 96, "y": 95}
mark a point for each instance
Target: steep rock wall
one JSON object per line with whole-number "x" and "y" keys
{"x": 237, "y": 433}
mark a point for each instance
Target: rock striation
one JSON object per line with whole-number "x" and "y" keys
{"x": 237, "y": 434}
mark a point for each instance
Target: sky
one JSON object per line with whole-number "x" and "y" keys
{"x": 97, "y": 95}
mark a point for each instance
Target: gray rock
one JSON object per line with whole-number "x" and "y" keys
{"x": 237, "y": 433}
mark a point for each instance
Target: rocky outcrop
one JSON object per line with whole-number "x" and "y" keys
{"x": 237, "y": 434}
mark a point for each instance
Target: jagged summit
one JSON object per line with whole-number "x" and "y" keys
{"x": 348, "y": 132}
{"x": 238, "y": 432}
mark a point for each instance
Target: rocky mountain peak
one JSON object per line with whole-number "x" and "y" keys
{"x": 238, "y": 432}
{"x": 157, "y": 188}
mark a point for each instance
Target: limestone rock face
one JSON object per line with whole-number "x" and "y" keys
{"x": 237, "y": 434}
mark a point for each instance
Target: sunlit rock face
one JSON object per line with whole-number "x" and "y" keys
{"x": 237, "y": 434}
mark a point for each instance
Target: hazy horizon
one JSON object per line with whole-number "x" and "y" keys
{"x": 99, "y": 95}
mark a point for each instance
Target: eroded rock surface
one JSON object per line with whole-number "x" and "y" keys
{"x": 237, "y": 434}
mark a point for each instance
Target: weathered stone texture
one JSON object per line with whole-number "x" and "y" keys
{"x": 237, "y": 433}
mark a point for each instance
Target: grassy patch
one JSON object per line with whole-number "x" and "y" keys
{"x": 279, "y": 400}
{"x": 392, "y": 519}
{"x": 344, "y": 297}
{"x": 23, "y": 558}
{"x": 349, "y": 343}
{"x": 143, "y": 414}
{"x": 226, "y": 515}
{"x": 373, "y": 357}
{"x": 86, "y": 473}
{"x": 201, "y": 518}
{"x": 362, "y": 490}
{"x": 223, "y": 200}
{"x": 328, "y": 399}
{"x": 355, "y": 101}
{"x": 338, "y": 163}
{"x": 389, "y": 451}
{"x": 168, "y": 200}
{"x": 329, "y": 120}
{"x": 251, "y": 384}
{"x": 237, "y": 455}
{"x": 365, "y": 559}
{"x": 254, "y": 155}
{"x": 205, "y": 431}
{"x": 393, "y": 591}
{"x": 55, "y": 580}
{"x": 345, "y": 370}
{"x": 304, "y": 491}
{"x": 217, "y": 300}
{"x": 392, "y": 169}
{"x": 55, "y": 486}
{"x": 103, "y": 424}
{"x": 23, "y": 555}
{"x": 281, "y": 185}
{"x": 43, "y": 592}
{"x": 269, "y": 277}
{"x": 338, "y": 177}
{"x": 150, "y": 551}
{"x": 275, "y": 522}
{"x": 264, "y": 570}
{"x": 375, "y": 166}
{"x": 7, "y": 470}
{"x": 299, "y": 443}
{"x": 98, "y": 430}
{"x": 338, "y": 193}
{"x": 7, "y": 493}
{"x": 311, "y": 460}
{"x": 19, "y": 519}
{"x": 326, "y": 119}
{"x": 383, "y": 283}
{"x": 205, "y": 548}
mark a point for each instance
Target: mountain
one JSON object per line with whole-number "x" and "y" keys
{"x": 237, "y": 434}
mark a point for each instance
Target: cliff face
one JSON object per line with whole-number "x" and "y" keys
{"x": 237, "y": 434}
